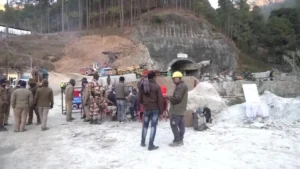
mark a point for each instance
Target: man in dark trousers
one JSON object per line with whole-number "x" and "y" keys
{"x": 151, "y": 97}
{"x": 33, "y": 88}
{"x": 121, "y": 94}
{"x": 3, "y": 104}
{"x": 178, "y": 108}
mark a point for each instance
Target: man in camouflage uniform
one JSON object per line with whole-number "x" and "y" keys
{"x": 95, "y": 100}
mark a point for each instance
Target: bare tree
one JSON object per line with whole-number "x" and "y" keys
{"x": 62, "y": 16}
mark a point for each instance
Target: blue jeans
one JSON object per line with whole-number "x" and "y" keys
{"x": 121, "y": 109}
{"x": 153, "y": 116}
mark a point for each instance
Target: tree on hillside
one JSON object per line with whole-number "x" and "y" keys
{"x": 293, "y": 15}
{"x": 279, "y": 37}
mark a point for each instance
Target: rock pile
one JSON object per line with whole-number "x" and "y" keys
{"x": 205, "y": 95}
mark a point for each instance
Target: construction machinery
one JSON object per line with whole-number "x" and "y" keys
{"x": 137, "y": 69}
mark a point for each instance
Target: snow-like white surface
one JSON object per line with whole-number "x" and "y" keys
{"x": 283, "y": 112}
{"x": 205, "y": 95}
{"x": 78, "y": 145}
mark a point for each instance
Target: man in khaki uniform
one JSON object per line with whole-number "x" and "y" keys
{"x": 3, "y": 104}
{"x": 44, "y": 100}
{"x": 21, "y": 100}
{"x": 86, "y": 100}
{"x": 69, "y": 92}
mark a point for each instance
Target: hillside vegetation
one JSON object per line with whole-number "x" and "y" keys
{"x": 256, "y": 37}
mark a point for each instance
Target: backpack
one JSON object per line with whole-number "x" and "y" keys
{"x": 207, "y": 114}
{"x": 199, "y": 120}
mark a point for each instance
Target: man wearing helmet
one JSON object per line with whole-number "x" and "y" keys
{"x": 177, "y": 109}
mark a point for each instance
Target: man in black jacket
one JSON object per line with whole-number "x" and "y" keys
{"x": 33, "y": 88}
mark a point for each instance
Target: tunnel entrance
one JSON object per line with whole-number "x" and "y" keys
{"x": 186, "y": 66}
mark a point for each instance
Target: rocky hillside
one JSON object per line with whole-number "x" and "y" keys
{"x": 165, "y": 35}
{"x": 169, "y": 33}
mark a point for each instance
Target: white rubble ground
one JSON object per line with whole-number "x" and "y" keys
{"x": 283, "y": 112}
{"x": 205, "y": 95}
{"x": 78, "y": 145}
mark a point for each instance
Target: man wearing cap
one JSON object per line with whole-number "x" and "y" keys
{"x": 85, "y": 97}
{"x": 95, "y": 96}
{"x": 3, "y": 104}
{"x": 21, "y": 101}
{"x": 33, "y": 88}
{"x": 44, "y": 100}
{"x": 69, "y": 92}
{"x": 177, "y": 109}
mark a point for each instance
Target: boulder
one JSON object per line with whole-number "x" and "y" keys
{"x": 205, "y": 95}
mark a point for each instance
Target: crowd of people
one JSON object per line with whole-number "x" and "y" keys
{"x": 24, "y": 102}
{"x": 147, "y": 98}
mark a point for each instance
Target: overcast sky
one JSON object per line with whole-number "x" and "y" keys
{"x": 214, "y": 3}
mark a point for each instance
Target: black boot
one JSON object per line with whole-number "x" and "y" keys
{"x": 97, "y": 122}
{"x": 143, "y": 144}
{"x": 2, "y": 128}
{"x": 91, "y": 121}
{"x": 87, "y": 120}
{"x": 152, "y": 147}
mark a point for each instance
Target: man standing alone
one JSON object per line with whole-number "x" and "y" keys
{"x": 178, "y": 108}
{"x": 69, "y": 92}
{"x": 44, "y": 100}
{"x": 121, "y": 96}
{"x": 21, "y": 100}
{"x": 151, "y": 97}
{"x": 33, "y": 88}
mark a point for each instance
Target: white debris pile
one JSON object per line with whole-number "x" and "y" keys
{"x": 282, "y": 112}
{"x": 205, "y": 95}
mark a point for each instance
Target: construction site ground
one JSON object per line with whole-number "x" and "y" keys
{"x": 79, "y": 145}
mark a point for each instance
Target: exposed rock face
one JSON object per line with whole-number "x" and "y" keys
{"x": 170, "y": 33}
{"x": 289, "y": 88}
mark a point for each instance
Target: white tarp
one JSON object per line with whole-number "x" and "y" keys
{"x": 254, "y": 107}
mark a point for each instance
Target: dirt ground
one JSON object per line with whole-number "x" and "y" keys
{"x": 78, "y": 145}
{"x": 84, "y": 51}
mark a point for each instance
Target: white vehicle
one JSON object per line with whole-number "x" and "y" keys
{"x": 15, "y": 82}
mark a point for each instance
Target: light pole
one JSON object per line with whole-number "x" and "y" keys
{"x": 31, "y": 63}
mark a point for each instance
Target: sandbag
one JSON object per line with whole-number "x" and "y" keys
{"x": 199, "y": 120}
{"x": 188, "y": 118}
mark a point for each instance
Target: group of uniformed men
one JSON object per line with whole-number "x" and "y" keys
{"x": 24, "y": 102}
{"x": 93, "y": 97}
